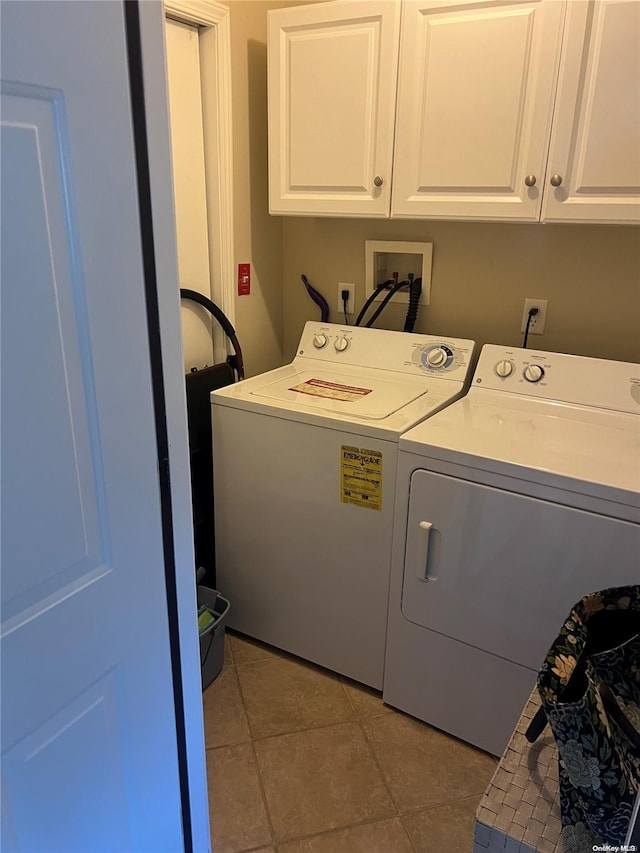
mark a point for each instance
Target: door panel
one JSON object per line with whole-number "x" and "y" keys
{"x": 505, "y": 569}
{"x": 475, "y": 96}
{"x": 342, "y": 135}
{"x": 189, "y": 188}
{"x": 450, "y": 157}
{"x": 332, "y": 76}
{"x": 45, "y": 343}
{"x": 596, "y": 130}
{"x": 84, "y": 738}
{"x": 88, "y": 728}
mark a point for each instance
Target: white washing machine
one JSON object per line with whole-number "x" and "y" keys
{"x": 512, "y": 504}
{"x": 304, "y": 487}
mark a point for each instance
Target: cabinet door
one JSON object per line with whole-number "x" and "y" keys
{"x": 475, "y": 99}
{"x": 595, "y": 144}
{"x": 332, "y": 85}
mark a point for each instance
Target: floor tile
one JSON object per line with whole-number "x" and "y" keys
{"x": 246, "y": 650}
{"x": 319, "y": 780}
{"x": 365, "y": 701}
{"x": 386, "y": 836}
{"x": 285, "y": 695}
{"x": 447, "y": 827}
{"x": 228, "y": 651}
{"x": 236, "y": 808}
{"x": 423, "y": 766}
{"x": 225, "y": 722}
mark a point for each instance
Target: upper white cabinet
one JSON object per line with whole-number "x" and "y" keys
{"x": 514, "y": 110}
{"x": 332, "y": 90}
{"x": 475, "y": 100}
{"x": 595, "y": 139}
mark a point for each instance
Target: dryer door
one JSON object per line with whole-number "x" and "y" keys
{"x": 500, "y": 571}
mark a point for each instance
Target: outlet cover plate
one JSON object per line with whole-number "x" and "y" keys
{"x": 345, "y": 285}
{"x": 537, "y": 322}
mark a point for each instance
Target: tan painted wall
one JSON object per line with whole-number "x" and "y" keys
{"x": 481, "y": 274}
{"x": 257, "y": 236}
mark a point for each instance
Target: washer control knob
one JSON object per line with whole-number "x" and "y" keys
{"x": 504, "y": 368}
{"x": 320, "y": 340}
{"x": 341, "y": 343}
{"x": 436, "y": 357}
{"x": 533, "y": 373}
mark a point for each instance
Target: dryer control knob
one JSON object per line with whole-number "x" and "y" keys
{"x": 504, "y": 368}
{"x": 533, "y": 373}
{"x": 319, "y": 341}
{"x": 341, "y": 344}
{"x": 436, "y": 357}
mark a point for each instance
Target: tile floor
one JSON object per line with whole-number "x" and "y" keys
{"x": 301, "y": 760}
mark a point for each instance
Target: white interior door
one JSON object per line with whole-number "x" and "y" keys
{"x": 189, "y": 188}
{"x": 89, "y": 740}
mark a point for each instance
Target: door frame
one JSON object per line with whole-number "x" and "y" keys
{"x": 156, "y": 110}
{"x": 214, "y": 32}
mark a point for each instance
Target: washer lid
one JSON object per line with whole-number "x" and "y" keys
{"x": 359, "y": 394}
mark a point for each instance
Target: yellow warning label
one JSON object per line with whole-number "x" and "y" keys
{"x": 361, "y": 477}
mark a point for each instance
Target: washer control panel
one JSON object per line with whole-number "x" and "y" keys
{"x": 579, "y": 380}
{"x": 401, "y": 352}
{"x": 440, "y": 357}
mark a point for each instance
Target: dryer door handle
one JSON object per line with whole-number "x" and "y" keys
{"x": 422, "y": 568}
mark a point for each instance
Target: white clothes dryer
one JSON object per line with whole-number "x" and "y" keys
{"x": 512, "y": 504}
{"x": 304, "y": 487}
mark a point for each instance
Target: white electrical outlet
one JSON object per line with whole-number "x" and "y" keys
{"x": 536, "y": 327}
{"x": 351, "y": 301}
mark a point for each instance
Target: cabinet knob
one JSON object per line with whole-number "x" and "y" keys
{"x": 556, "y": 180}
{"x": 530, "y": 180}
{"x": 377, "y": 181}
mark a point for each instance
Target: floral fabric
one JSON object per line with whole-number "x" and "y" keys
{"x": 599, "y": 766}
